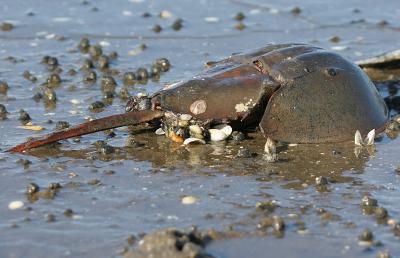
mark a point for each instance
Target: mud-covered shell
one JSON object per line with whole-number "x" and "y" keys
{"x": 323, "y": 98}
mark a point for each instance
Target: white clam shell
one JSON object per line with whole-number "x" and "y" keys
{"x": 193, "y": 141}
{"x": 160, "y": 131}
{"x": 14, "y": 205}
{"x": 188, "y": 200}
{"x": 195, "y": 129}
{"x": 217, "y": 135}
{"x": 227, "y": 129}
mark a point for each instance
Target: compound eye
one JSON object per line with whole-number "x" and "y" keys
{"x": 259, "y": 66}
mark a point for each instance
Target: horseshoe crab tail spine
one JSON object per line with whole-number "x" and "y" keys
{"x": 101, "y": 124}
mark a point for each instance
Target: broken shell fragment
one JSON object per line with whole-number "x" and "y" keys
{"x": 190, "y": 141}
{"x": 174, "y": 137}
{"x": 185, "y": 117}
{"x": 160, "y": 131}
{"x": 196, "y": 131}
{"x": 227, "y": 129}
{"x": 217, "y": 135}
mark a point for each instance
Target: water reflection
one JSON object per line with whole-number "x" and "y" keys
{"x": 298, "y": 165}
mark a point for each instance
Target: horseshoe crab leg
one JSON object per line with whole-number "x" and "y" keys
{"x": 101, "y": 124}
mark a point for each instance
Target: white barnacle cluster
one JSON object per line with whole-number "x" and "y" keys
{"x": 244, "y": 106}
{"x": 368, "y": 142}
{"x": 183, "y": 128}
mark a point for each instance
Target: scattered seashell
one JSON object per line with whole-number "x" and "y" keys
{"x": 14, "y": 205}
{"x": 77, "y": 217}
{"x": 211, "y": 19}
{"x": 137, "y": 50}
{"x": 160, "y": 131}
{"x": 185, "y": 117}
{"x": 391, "y": 222}
{"x": 75, "y": 101}
{"x": 61, "y": 19}
{"x": 174, "y": 137}
{"x": 227, "y": 129}
{"x": 183, "y": 120}
{"x": 188, "y": 200}
{"x": 195, "y": 130}
{"x": 193, "y": 141}
{"x": 141, "y": 94}
{"x": 165, "y": 14}
{"x": 104, "y": 43}
{"x": 217, "y": 135}
{"x": 255, "y": 11}
{"x": 126, "y": 13}
{"x": 339, "y": 48}
{"x": 32, "y": 127}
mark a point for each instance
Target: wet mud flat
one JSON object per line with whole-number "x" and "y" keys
{"x": 84, "y": 198}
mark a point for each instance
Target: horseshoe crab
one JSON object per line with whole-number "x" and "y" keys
{"x": 294, "y": 93}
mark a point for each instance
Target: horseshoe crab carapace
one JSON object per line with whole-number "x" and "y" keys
{"x": 294, "y": 92}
